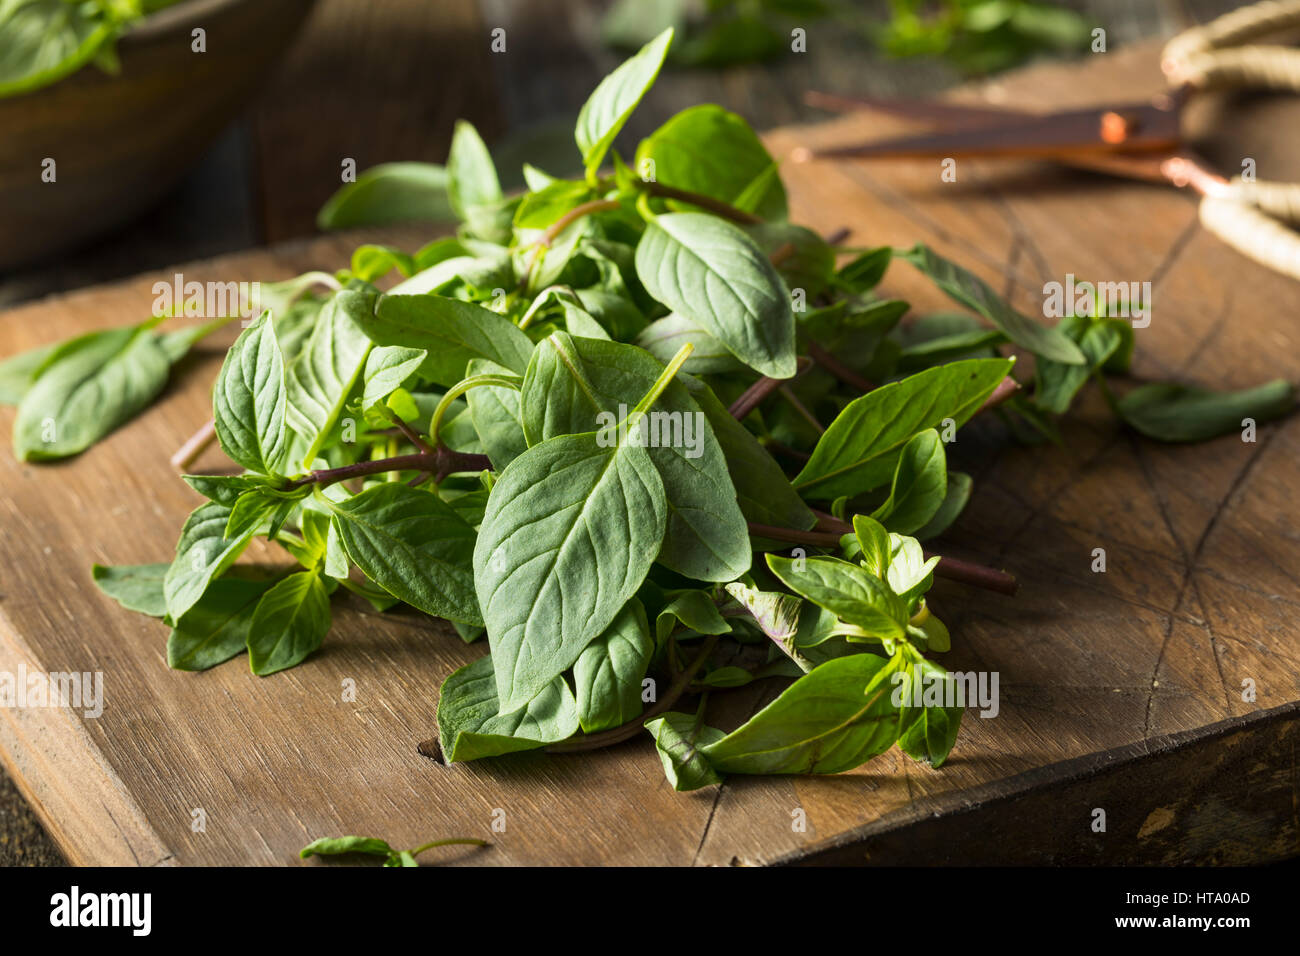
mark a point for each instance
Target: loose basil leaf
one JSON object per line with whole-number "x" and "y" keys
{"x": 19, "y": 371}
{"x": 971, "y": 291}
{"x": 919, "y": 487}
{"x": 727, "y": 170}
{"x": 249, "y": 399}
{"x": 451, "y": 331}
{"x": 1099, "y": 339}
{"x": 256, "y": 508}
{"x": 203, "y": 553}
{"x": 571, "y": 530}
{"x": 334, "y": 846}
{"x": 711, "y": 272}
{"x": 609, "y": 671}
{"x": 860, "y": 449}
{"x": 216, "y": 628}
{"x": 86, "y": 388}
{"x": 470, "y": 727}
{"x": 613, "y": 101}
{"x": 846, "y": 590}
{"x": 322, "y": 378}
{"x": 930, "y": 732}
{"x": 289, "y": 622}
{"x": 764, "y": 493}
{"x": 1180, "y": 413}
{"x": 954, "y": 503}
{"x": 832, "y": 719}
{"x": 576, "y": 385}
{"x": 137, "y": 587}
{"x": 678, "y": 739}
{"x": 388, "y": 368}
{"x": 496, "y": 417}
{"x": 390, "y": 192}
{"x": 471, "y": 177}
{"x": 413, "y": 545}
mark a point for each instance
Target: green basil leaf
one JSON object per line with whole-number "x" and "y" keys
{"x": 920, "y": 484}
{"x": 333, "y": 846}
{"x": 971, "y": 291}
{"x": 495, "y": 413}
{"x": 845, "y": 589}
{"x": 249, "y": 399}
{"x": 776, "y": 613}
{"x": 227, "y": 489}
{"x": 323, "y": 376}
{"x": 695, "y": 611}
{"x": 388, "y": 368}
{"x": 137, "y": 587}
{"x": 930, "y": 731}
{"x": 763, "y": 491}
{"x": 86, "y": 388}
{"x": 544, "y": 206}
{"x": 663, "y": 338}
{"x": 203, "y": 554}
{"x": 390, "y": 192}
{"x": 678, "y": 740}
{"x": 571, "y": 530}
{"x": 873, "y": 539}
{"x": 46, "y": 40}
{"x": 726, "y": 169}
{"x": 954, "y": 502}
{"x": 832, "y": 719}
{"x": 910, "y": 572}
{"x": 811, "y": 267}
{"x": 451, "y": 331}
{"x": 576, "y": 385}
{"x": 19, "y": 371}
{"x": 711, "y": 272}
{"x": 609, "y": 671}
{"x": 370, "y": 262}
{"x": 613, "y": 101}
{"x": 216, "y": 628}
{"x": 1179, "y": 413}
{"x": 471, "y": 177}
{"x": 413, "y": 545}
{"x": 865, "y": 271}
{"x": 470, "y": 727}
{"x": 1057, "y": 384}
{"x": 289, "y": 622}
{"x": 860, "y": 449}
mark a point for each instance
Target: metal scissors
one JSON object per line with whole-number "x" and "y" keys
{"x": 1138, "y": 141}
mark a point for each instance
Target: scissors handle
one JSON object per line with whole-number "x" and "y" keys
{"x": 1249, "y": 216}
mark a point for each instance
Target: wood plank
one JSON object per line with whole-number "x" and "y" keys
{"x": 1119, "y": 690}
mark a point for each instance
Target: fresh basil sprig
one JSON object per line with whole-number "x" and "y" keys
{"x": 594, "y": 427}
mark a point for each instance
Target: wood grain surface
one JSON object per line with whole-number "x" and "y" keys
{"x": 1120, "y": 691}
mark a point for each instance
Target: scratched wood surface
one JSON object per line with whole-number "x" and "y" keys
{"x": 1120, "y": 691}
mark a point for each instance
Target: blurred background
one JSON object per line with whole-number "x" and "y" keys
{"x": 184, "y": 153}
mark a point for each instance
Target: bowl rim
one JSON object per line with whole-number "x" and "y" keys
{"x": 168, "y": 19}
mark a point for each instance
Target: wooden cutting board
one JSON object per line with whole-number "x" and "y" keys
{"x": 1120, "y": 691}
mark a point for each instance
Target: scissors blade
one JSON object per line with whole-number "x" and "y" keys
{"x": 1143, "y": 127}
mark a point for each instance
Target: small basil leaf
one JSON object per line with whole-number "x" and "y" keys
{"x": 216, "y": 628}
{"x": 919, "y": 487}
{"x": 333, "y": 846}
{"x": 1179, "y": 413}
{"x": 137, "y": 587}
{"x": 678, "y": 740}
{"x": 203, "y": 553}
{"x": 249, "y": 400}
{"x": 613, "y": 101}
{"x": 390, "y": 192}
{"x": 470, "y": 727}
{"x": 609, "y": 671}
{"x": 846, "y": 590}
{"x": 289, "y": 622}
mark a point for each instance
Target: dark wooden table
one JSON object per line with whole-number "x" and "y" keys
{"x": 387, "y": 83}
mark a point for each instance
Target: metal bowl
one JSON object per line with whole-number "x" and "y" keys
{"x": 119, "y": 143}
